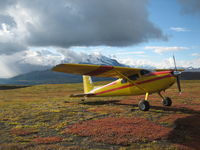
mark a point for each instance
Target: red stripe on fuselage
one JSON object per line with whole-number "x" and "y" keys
{"x": 137, "y": 83}
{"x": 100, "y": 70}
{"x": 158, "y": 73}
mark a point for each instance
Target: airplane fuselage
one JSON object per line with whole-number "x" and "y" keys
{"x": 149, "y": 83}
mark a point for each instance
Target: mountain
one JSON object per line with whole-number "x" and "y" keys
{"x": 46, "y": 76}
{"x": 50, "y": 77}
{"x": 37, "y": 74}
{"x": 191, "y": 69}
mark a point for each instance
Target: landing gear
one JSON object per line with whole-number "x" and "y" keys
{"x": 84, "y": 99}
{"x": 144, "y": 105}
{"x": 166, "y": 101}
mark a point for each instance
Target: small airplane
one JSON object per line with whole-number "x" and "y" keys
{"x": 131, "y": 81}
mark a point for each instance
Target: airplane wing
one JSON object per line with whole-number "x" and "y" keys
{"x": 96, "y": 70}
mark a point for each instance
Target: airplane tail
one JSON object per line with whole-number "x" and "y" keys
{"x": 87, "y": 84}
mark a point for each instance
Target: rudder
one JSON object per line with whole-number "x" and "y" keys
{"x": 87, "y": 84}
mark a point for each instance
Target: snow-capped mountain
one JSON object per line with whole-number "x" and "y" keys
{"x": 28, "y": 61}
{"x": 192, "y": 69}
{"x": 33, "y": 67}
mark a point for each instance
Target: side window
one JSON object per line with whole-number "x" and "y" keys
{"x": 144, "y": 72}
{"x": 134, "y": 77}
{"x": 123, "y": 81}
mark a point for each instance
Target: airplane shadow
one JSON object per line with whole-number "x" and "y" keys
{"x": 152, "y": 108}
{"x": 175, "y": 109}
{"x": 100, "y": 102}
{"x": 10, "y": 87}
{"x": 186, "y": 131}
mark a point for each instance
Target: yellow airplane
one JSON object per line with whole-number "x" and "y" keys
{"x": 132, "y": 81}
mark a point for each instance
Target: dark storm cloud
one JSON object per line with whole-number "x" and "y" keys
{"x": 10, "y": 47}
{"x": 190, "y": 6}
{"x": 92, "y": 22}
{"x": 67, "y": 23}
{"x": 5, "y": 4}
{"x": 7, "y": 20}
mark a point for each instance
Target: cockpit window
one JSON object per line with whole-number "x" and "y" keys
{"x": 144, "y": 72}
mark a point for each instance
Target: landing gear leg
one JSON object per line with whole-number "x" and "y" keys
{"x": 84, "y": 99}
{"x": 144, "y": 104}
{"x": 166, "y": 101}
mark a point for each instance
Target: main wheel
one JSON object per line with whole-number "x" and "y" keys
{"x": 144, "y": 105}
{"x": 167, "y": 101}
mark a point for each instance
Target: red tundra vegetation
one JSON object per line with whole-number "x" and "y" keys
{"x": 23, "y": 131}
{"x": 48, "y": 140}
{"x": 106, "y": 109}
{"x": 173, "y": 117}
{"x": 122, "y": 131}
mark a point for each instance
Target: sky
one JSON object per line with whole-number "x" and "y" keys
{"x": 145, "y": 33}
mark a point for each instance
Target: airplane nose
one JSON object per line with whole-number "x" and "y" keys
{"x": 176, "y": 73}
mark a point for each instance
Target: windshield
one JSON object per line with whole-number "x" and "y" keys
{"x": 144, "y": 72}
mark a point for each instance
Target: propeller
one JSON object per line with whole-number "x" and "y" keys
{"x": 177, "y": 73}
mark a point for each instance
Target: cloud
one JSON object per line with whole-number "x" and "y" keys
{"x": 163, "y": 64}
{"x": 162, "y": 49}
{"x": 29, "y": 60}
{"x": 134, "y": 53}
{"x": 179, "y": 29}
{"x": 195, "y": 54}
{"x": 67, "y": 23}
{"x": 6, "y": 70}
{"x": 190, "y": 6}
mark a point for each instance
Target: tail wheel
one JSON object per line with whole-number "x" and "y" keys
{"x": 167, "y": 101}
{"x": 144, "y": 105}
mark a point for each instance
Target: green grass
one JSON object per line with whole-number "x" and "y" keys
{"x": 37, "y": 117}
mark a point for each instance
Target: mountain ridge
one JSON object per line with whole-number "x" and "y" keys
{"x": 46, "y": 76}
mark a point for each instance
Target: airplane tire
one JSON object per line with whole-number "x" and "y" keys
{"x": 144, "y": 105}
{"x": 167, "y": 101}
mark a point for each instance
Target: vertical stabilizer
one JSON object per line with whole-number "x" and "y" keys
{"x": 87, "y": 84}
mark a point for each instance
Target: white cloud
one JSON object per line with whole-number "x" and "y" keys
{"x": 67, "y": 23}
{"x": 148, "y": 63}
{"x": 134, "y": 53}
{"x": 164, "y": 64}
{"x": 162, "y": 49}
{"x": 29, "y": 60}
{"x": 195, "y": 54}
{"x": 179, "y": 29}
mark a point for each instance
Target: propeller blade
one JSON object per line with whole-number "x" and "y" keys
{"x": 174, "y": 63}
{"x": 177, "y": 77}
{"x": 178, "y": 84}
